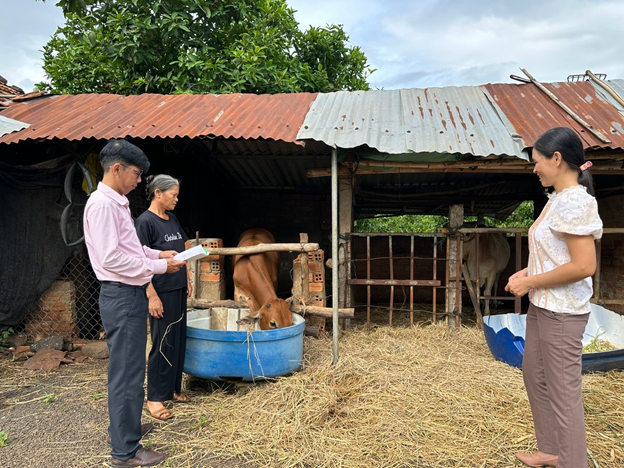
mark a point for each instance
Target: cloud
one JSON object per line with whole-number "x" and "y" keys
{"x": 459, "y": 42}
{"x": 22, "y": 38}
{"x": 421, "y": 43}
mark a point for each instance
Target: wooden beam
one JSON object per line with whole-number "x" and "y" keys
{"x": 260, "y": 248}
{"x": 512, "y": 169}
{"x": 299, "y": 309}
{"x": 344, "y": 312}
{"x": 390, "y": 167}
{"x": 606, "y": 87}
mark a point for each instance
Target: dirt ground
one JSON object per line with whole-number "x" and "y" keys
{"x": 59, "y": 419}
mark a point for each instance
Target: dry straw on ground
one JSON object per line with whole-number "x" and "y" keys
{"x": 399, "y": 397}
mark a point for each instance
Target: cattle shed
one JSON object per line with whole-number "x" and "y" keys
{"x": 423, "y": 151}
{"x": 266, "y": 161}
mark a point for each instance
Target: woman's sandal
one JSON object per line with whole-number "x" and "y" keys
{"x": 162, "y": 414}
{"x": 180, "y": 398}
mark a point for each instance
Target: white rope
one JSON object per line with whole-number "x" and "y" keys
{"x": 164, "y": 338}
{"x": 256, "y": 355}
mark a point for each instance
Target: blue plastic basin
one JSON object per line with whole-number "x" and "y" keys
{"x": 505, "y": 334}
{"x": 241, "y": 355}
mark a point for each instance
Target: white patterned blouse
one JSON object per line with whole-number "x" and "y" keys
{"x": 571, "y": 211}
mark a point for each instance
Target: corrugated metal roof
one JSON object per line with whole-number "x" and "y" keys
{"x": 617, "y": 86}
{"x": 104, "y": 116}
{"x": 10, "y": 125}
{"x": 444, "y": 120}
{"x": 530, "y": 112}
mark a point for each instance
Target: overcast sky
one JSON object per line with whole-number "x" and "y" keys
{"x": 411, "y": 43}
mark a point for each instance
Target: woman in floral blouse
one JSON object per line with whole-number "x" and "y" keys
{"x": 562, "y": 259}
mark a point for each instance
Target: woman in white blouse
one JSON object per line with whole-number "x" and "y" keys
{"x": 562, "y": 259}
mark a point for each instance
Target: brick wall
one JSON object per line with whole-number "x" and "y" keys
{"x": 55, "y": 313}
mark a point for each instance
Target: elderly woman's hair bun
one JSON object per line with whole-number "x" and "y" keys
{"x": 162, "y": 182}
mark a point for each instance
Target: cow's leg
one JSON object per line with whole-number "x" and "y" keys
{"x": 487, "y": 292}
{"x": 495, "y": 289}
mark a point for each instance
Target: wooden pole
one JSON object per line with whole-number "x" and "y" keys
{"x": 305, "y": 271}
{"x": 346, "y": 312}
{"x": 260, "y": 248}
{"x": 606, "y": 87}
{"x": 334, "y": 202}
{"x": 517, "y": 302}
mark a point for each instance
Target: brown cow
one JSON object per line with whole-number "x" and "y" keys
{"x": 255, "y": 281}
{"x": 494, "y": 255}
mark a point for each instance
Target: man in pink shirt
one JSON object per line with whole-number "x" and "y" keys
{"x": 125, "y": 268}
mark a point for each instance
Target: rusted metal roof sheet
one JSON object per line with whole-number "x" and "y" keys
{"x": 10, "y": 125}
{"x": 617, "y": 86}
{"x": 104, "y": 116}
{"x": 530, "y": 112}
{"x": 443, "y": 120}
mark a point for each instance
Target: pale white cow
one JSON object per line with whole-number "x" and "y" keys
{"x": 494, "y": 255}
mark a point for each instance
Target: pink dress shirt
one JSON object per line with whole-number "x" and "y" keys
{"x": 114, "y": 249}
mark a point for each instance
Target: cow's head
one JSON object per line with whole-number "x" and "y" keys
{"x": 273, "y": 314}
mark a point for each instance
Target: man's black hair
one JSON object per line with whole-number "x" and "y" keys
{"x": 124, "y": 152}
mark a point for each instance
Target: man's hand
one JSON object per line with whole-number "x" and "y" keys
{"x": 167, "y": 254}
{"x": 174, "y": 265}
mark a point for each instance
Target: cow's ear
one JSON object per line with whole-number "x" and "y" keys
{"x": 251, "y": 318}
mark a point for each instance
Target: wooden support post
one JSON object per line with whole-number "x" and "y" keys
{"x": 597, "y": 274}
{"x": 305, "y": 271}
{"x": 435, "y": 277}
{"x": 368, "y": 276}
{"x": 391, "y": 265}
{"x": 518, "y": 300}
{"x": 345, "y": 225}
{"x": 412, "y": 278}
{"x": 456, "y": 219}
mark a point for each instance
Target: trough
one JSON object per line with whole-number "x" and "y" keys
{"x": 505, "y": 335}
{"x": 234, "y": 353}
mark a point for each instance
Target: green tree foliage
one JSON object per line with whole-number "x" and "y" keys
{"x": 522, "y": 217}
{"x": 196, "y": 46}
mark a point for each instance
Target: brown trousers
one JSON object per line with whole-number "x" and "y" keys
{"x": 551, "y": 368}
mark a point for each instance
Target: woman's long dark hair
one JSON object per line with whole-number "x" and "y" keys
{"x": 569, "y": 145}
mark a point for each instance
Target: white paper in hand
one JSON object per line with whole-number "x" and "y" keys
{"x": 192, "y": 254}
